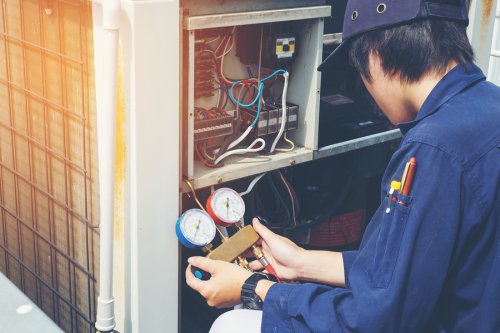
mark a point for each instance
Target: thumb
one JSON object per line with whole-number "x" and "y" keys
{"x": 264, "y": 232}
{"x": 208, "y": 265}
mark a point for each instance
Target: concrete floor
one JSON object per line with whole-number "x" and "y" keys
{"x": 19, "y": 314}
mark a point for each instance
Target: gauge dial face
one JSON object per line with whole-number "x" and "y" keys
{"x": 228, "y": 205}
{"x": 197, "y": 227}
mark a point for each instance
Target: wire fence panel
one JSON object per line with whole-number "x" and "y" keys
{"x": 48, "y": 159}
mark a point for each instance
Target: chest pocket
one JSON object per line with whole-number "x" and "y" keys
{"x": 388, "y": 240}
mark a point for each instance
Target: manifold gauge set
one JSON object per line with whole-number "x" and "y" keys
{"x": 196, "y": 229}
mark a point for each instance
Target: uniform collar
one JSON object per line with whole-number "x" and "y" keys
{"x": 458, "y": 79}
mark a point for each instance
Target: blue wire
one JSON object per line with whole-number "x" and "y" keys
{"x": 273, "y": 74}
{"x": 257, "y": 97}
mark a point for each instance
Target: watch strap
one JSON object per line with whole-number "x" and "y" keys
{"x": 248, "y": 296}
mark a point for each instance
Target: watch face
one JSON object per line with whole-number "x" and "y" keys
{"x": 249, "y": 298}
{"x": 253, "y": 304}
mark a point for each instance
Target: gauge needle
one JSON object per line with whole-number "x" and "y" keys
{"x": 227, "y": 206}
{"x": 197, "y": 228}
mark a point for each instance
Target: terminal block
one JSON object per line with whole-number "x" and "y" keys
{"x": 292, "y": 114}
{"x": 213, "y": 128}
{"x": 270, "y": 119}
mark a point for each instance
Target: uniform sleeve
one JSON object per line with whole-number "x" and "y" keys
{"x": 348, "y": 258}
{"x": 395, "y": 279}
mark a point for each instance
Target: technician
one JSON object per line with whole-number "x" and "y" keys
{"x": 429, "y": 260}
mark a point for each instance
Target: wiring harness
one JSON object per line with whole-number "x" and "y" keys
{"x": 243, "y": 94}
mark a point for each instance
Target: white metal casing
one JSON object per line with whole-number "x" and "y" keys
{"x": 146, "y": 249}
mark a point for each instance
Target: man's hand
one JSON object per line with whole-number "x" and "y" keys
{"x": 292, "y": 262}
{"x": 283, "y": 254}
{"x": 224, "y": 287}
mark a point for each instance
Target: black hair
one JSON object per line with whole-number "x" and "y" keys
{"x": 413, "y": 49}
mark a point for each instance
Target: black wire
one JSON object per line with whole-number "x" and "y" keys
{"x": 281, "y": 200}
{"x": 284, "y": 194}
{"x": 230, "y": 138}
{"x": 227, "y": 97}
{"x": 332, "y": 210}
{"x": 263, "y": 205}
{"x": 257, "y": 204}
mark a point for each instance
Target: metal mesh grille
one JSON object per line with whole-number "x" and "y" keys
{"x": 48, "y": 198}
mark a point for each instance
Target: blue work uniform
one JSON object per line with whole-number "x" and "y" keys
{"x": 429, "y": 261}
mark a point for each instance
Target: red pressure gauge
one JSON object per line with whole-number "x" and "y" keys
{"x": 226, "y": 207}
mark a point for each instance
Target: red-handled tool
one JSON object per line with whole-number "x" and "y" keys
{"x": 412, "y": 163}
{"x": 267, "y": 266}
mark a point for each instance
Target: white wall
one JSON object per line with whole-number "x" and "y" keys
{"x": 494, "y": 69}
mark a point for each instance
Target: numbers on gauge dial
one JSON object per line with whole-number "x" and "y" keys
{"x": 228, "y": 205}
{"x": 198, "y": 227}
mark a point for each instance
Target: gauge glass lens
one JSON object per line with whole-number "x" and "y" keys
{"x": 198, "y": 227}
{"x": 228, "y": 205}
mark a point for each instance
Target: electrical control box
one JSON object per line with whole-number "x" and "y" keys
{"x": 244, "y": 72}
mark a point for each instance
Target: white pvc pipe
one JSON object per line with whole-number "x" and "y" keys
{"x": 106, "y": 136}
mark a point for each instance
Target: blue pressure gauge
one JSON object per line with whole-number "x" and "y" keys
{"x": 195, "y": 229}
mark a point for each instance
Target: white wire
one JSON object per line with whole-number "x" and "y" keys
{"x": 213, "y": 40}
{"x": 218, "y": 97}
{"x": 218, "y": 46}
{"x": 226, "y": 51}
{"x": 243, "y": 136}
{"x": 284, "y": 116}
{"x": 250, "y": 149}
{"x": 222, "y": 70}
{"x": 237, "y": 115}
{"x": 238, "y": 105}
{"x": 283, "y": 122}
{"x": 292, "y": 145}
{"x": 252, "y": 184}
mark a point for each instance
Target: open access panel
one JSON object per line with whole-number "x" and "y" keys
{"x": 243, "y": 74}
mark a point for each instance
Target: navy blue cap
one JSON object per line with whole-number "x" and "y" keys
{"x": 367, "y": 15}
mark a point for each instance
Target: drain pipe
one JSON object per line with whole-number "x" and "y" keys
{"x": 106, "y": 136}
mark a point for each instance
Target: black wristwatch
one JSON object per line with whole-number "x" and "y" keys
{"x": 249, "y": 298}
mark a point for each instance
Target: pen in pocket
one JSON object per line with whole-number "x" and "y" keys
{"x": 408, "y": 178}
{"x": 395, "y": 186}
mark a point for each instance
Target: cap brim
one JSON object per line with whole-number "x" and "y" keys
{"x": 336, "y": 59}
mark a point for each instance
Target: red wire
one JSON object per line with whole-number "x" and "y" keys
{"x": 271, "y": 270}
{"x": 202, "y": 159}
{"x": 250, "y": 92}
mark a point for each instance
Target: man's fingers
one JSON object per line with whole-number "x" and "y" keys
{"x": 255, "y": 265}
{"x": 192, "y": 281}
{"x": 208, "y": 265}
{"x": 264, "y": 232}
